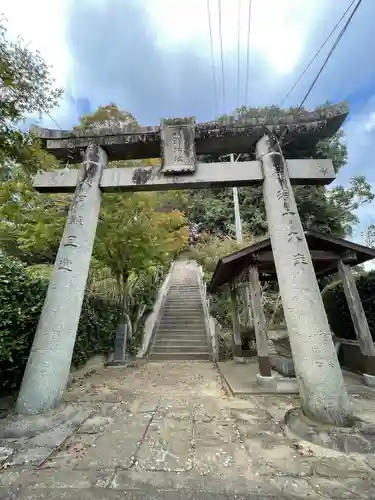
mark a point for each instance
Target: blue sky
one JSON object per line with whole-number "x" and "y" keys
{"x": 152, "y": 57}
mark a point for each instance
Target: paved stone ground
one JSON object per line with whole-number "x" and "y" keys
{"x": 170, "y": 431}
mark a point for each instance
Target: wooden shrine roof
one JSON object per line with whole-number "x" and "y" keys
{"x": 231, "y": 135}
{"x": 325, "y": 252}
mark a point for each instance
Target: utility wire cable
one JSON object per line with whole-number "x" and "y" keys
{"x": 238, "y": 53}
{"x": 221, "y": 55}
{"x": 248, "y": 53}
{"x": 340, "y": 35}
{"x": 213, "y": 60}
{"x": 316, "y": 54}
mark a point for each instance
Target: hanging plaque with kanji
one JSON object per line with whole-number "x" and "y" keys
{"x": 178, "y": 145}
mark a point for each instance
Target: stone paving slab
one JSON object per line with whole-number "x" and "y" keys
{"x": 217, "y": 448}
{"x": 29, "y": 441}
{"x": 118, "y": 445}
{"x": 146, "y": 492}
{"x": 167, "y": 445}
{"x": 241, "y": 380}
{"x": 177, "y": 411}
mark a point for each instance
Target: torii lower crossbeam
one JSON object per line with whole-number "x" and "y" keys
{"x": 225, "y": 174}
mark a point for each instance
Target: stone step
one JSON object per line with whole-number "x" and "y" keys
{"x": 186, "y": 315}
{"x": 182, "y": 297}
{"x": 181, "y": 302}
{"x": 176, "y": 349}
{"x": 165, "y": 356}
{"x": 186, "y": 318}
{"x": 180, "y": 341}
{"x": 186, "y": 306}
{"x": 184, "y": 287}
{"x": 167, "y": 335}
{"x": 181, "y": 331}
{"x": 181, "y": 320}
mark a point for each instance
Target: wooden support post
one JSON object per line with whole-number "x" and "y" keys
{"x": 236, "y": 336}
{"x": 359, "y": 319}
{"x": 259, "y": 323}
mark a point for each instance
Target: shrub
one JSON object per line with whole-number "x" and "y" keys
{"x": 337, "y": 309}
{"x": 21, "y": 300}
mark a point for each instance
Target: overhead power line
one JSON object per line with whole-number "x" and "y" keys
{"x": 238, "y": 52}
{"x": 248, "y": 53}
{"x": 325, "y": 62}
{"x": 341, "y": 34}
{"x": 221, "y": 55}
{"x": 213, "y": 60}
{"x": 317, "y": 53}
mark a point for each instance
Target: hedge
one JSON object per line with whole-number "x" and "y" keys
{"x": 337, "y": 308}
{"x": 21, "y": 301}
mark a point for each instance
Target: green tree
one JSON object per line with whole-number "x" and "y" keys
{"x": 323, "y": 209}
{"x": 26, "y": 88}
{"x": 369, "y": 236}
{"x": 138, "y": 234}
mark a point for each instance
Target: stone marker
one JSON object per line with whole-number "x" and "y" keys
{"x": 121, "y": 357}
{"x": 321, "y": 384}
{"x": 48, "y": 366}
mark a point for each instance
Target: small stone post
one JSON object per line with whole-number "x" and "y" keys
{"x": 259, "y": 323}
{"x": 48, "y": 366}
{"x": 237, "y": 344}
{"x": 321, "y": 385}
{"x": 120, "y": 356}
{"x": 360, "y": 324}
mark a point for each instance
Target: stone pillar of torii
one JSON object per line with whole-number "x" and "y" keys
{"x": 178, "y": 141}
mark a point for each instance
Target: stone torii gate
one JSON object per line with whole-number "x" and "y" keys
{"x": 178, "y": 141}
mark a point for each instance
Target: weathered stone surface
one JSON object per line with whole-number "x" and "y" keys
{"x": 272, "y": 455}
{"x": 343, "y": 490}
{"x": 217, "y": 447}
{"x": 48, "y": 367}
{"x": 118, "y": 445}
{"x": 294, "y": 487}
{"x": 149, "y": 406}
{"x": 64, "y": 478}
{"x": 321, "y": 384}
{"x": 167, "y": 445}
{"x": 231, "y": 136}
{"x": 283, "y": 365}
{"x": 17, "y": 426}
{"x": 359, "y": 438}
{"x": 238, "y": 449}
{"x": 8, "y": 477}
{"x": 341, "y": 467}
{"x": 95, "y": 424}
{"x": 193, "y": 481}
{"x": 31, "y": 456}
{"x": 5, "y": 452}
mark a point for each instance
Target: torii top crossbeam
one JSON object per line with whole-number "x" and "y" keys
{"x": 301, "y": 133}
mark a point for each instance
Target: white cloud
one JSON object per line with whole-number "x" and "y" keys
{"x": 42, "y": 25}
{"x": 278, "y": 30}
{"x": 370, "y": 124}
{"x": 284, "y": 36}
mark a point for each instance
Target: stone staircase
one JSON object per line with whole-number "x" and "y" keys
{"x": 181, "y": 333}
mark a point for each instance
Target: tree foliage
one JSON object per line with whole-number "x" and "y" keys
{"x": 328, "y": 210}
{"x": 137, "y": 236}
{"x": 26, "y": 88}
